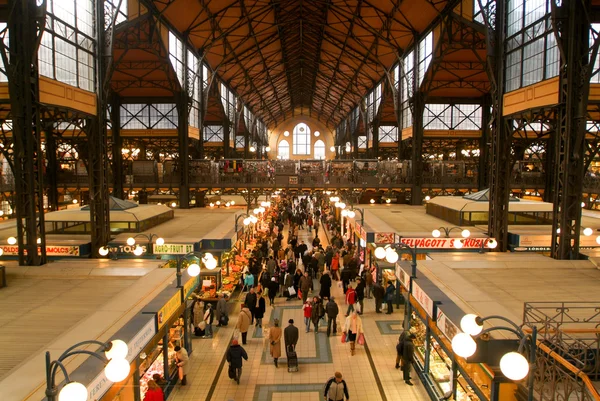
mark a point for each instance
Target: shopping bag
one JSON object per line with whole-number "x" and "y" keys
{"x": 361, "y": 339}
{"x": 299, "y": 294}
{"x": 202, "y": 325}
{"x": 343, "y": 338}
{"x": 231, "y": 372}
{"x": 292, "y": 291}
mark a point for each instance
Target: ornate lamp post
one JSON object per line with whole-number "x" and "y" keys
{"x": 194, "y": 269}
{"x": 113, "y": 354}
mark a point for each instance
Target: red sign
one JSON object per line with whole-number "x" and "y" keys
{"x": 51, "y": 250}
{"x": 446, "y": 243}
{"x": 384, "y": 238}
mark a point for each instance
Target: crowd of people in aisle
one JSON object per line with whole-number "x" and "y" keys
{"x": 283, "y": 266}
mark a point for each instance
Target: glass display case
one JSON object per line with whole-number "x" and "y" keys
{"x": 154, "y": 363}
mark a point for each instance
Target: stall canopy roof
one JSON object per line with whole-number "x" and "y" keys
{"x": 484, "y": 196}
{"x": 116, "y": 204}
{"x": 463, "y": 204}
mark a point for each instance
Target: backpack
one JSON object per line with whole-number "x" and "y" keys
{"x": 321, "y": 310}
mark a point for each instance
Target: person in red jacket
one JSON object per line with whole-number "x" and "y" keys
{"x": 350, "y": 299}
{"x": 154, "y": 392}
{"x": 307, "y": 308}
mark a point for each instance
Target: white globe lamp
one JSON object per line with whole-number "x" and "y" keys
{"x": 103, "y": 251}
{"x": 118, "y": 350}
{"x": 138, "y": 250}
{"x": 458, "y": 244}
{"x": 380, "y": 252}
{"x": 436, "y": 233}
{"x": 492, "y": 243}
{"x": 463, "y": 345}
{"x": 130, "y": 241}
{"x": 117, "y": 370}
{"x": 588, "y": 231}
{"x": 351, "y": 214}
{"x": 210, "y": 264}
{"x": 514, "y": 366}
{"x": 246, "y": 221}
{"x": 345, "y": 213}
{"x": 73, "y": 391}
{"x": 465, "y": 233}
{"x": 391, "y": 256}
{"x": 160, "y": 241}
{"x": 193, "y": 269}
{"x": 11, "y": 240}
{"x": 469, "y": 325}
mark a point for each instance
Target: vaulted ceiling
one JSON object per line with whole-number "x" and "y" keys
{"x": 291, "y": 57}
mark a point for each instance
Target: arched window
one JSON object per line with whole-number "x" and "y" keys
{"x": 319, "y": 150}
{"x": 283, "y": 150}
{"x": 301, "y": 139}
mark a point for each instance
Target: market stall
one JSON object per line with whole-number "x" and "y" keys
{"x": 366, "y": 172}
{"x": 340, "y": 172}
{"x": 312, "y": 172}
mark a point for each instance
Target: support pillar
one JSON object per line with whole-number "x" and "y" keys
{"x": 226, "y": 137}
{"x": 184, "y": 165}
{"x": 117, "y": 145}
{"x": 484, "y": 149}
{"x": 572, "y": 30}
{"x": 417, "y": 149}
{"x": 375, "y": 128}
{"x": 25, "y": 22}
{"x": 52, "y": 169}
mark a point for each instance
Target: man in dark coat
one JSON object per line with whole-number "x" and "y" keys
{"x": 325, "y": 282}
{"x": 290, "y": 335}
{"x": 250, "y": 302}
{"x": 378, "y": 293}
{"x": 235, "y": 353}
{"x": 360, "y": 294}
{"x": 332, "y": 311}
{"x": 408, "y": 353}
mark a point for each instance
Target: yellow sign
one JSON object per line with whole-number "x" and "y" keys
{"x": 190, "y": 286}
{"x": 165, "y": 313}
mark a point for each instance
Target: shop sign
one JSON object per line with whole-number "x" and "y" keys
{"x": 445, "y": 243}
{"x": 446, "y": 326}
{"x": 293, "y": 180}
{"x": 119, "y": 249}
{"x": 422, "y": 298}
{"x": 357, "y": 228}
{"x": 397, "y": 238}
{"x": 98, "y": 387}
{"x": 190, "y": 286}
{"x": 403, "y": 276}
{"x": 172, "y": 249}
{"x": 51, "y": 250}
{"x": 167, "y": 311}
{"x": 139, "y": 341}
{"x": 384, "y": 238}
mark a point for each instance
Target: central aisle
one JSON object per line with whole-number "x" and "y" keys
{"x": 370, "y": 373}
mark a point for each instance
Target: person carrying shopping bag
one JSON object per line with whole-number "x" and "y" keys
{"x": 353, "y": 331}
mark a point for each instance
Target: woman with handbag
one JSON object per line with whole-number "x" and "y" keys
{"x": 275, "y": 341}
{"x": 353, "y": 331}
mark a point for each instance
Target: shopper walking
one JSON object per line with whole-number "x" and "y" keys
{"x": 250, "y": 303}
{"x": 378, "y": 294}
{"x": 350, "y": 300}
{"x": 325, "y": 281}
{"x": 273, "y": 290}
{"x": 353, "y": 328}
{"x": 307, "y": 310}
{"x": 332, "y": 312}
{"x": 234, "y": 356}
{"x": 408, "y": 353}
{"x": 275, "y": 334}
{"x": 336, "y": 388}
{"x": 221, "y": 312}
{"x": 368, "y": 283}
{"x": 290, "y": 335}
{"x": 390, "y": 291}
{"x": 360, "y": 295}
{"x": 403, "y": 336}
{"x": 318, "y": 311}
{"x": 306, "y": 284}
{"x": 316, "y": 227}
{"x": 243, "y": 322}
{"x": 183, "y": 364}
{"x": 261, "y": 307}
{"x": 208, "y": 319}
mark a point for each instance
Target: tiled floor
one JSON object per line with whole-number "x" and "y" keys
{"x": 319, "y": 358}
